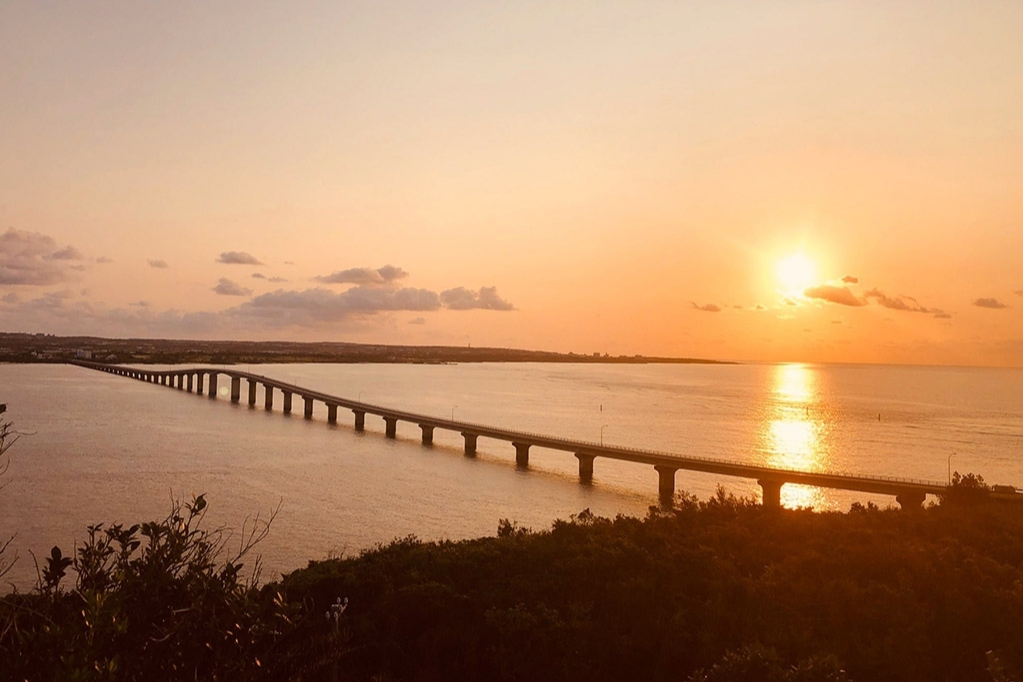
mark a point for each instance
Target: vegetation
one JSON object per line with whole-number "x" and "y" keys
{"x": 706, "y": 592}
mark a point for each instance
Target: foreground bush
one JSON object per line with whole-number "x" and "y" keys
{"x": 153, "y": 602}
{"x": 710, "y": 591}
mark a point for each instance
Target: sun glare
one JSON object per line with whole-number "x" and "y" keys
{"x": 795, "y": 273}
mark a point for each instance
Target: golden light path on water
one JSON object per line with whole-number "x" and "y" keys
{"x": 795, "y": 433}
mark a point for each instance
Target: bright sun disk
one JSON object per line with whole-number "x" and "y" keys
{"x": 795, "y": 273}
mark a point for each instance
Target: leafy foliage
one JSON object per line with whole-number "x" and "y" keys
{"x": 715, "y": 590}
{"x": 153, "y": 602}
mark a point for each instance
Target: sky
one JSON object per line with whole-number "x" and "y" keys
{"x": 772, "y": 181}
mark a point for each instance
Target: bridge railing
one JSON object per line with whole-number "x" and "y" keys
{"x": 580, "y": 445}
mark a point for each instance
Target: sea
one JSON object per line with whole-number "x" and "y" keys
{"x": 96, "y": 448}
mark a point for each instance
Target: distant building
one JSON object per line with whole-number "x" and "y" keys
{"x": 82, "y": 354}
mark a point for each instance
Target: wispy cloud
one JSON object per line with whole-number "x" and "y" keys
{"x": 33, "y": 259}
{"x": 706, "y": 308}
{"x": 238, "y": 258}
{"x": 486, "y": 298}
{"x": 258, "y": 275}
{"x": 103, "y": 260}
{"x": 849, "y": 279}
{"x": 158, "y": 263}
{"x": 990, "y": 303}
{"x": 834, "y": 294}
{"x": 387, "y": 275}
{"x": 226, "y": 287}
{"x": 906, "y": 304}
{"x": 417, "y": 320}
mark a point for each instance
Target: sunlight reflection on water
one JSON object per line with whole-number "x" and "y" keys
{"x": 795, "y": 434}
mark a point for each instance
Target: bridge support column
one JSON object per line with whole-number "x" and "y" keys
{"x": 308, "y": 414}
{"x": 585, "y": 467}
{"x": 252, "y": 392}
{"x": 470, "y": 443}
{"x": 771, "y": 492}
{"x": 181, "y": 382}
{"x": 268, "y": 397}
{"x": 910, "y": 499}
{"x": 236, "y": 389}
{"x": 360, "y": 420}
{"x": 287, "y": 402}
{"x": 391, "y": 427}
{"x": 190, "y": 381}
{"x": 159, "y": 380}
{"x": 331, "y": 414}
{"x": 666, "y": 484}
{"x": 213, "y": 384}
{"x": 427, "y": 434}
{"x": 199, "y": 378}
{"x": 521, "y": 455}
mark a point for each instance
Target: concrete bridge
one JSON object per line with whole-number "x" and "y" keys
{"x": 909, "y": 493}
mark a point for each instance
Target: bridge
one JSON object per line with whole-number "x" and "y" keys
{"x": 909, "y": 493}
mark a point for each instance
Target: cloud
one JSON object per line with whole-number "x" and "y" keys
{"x": 384, "y": 276}
{"x": 833, "y": 294}
{"x": 1018, "y": 292}
{"x": 316, "y": 307}
{"x": 157, "y": 263}
{"x": 258, "y": 275}
{"x": 67, "y": 253}
{"x": 906, "y": 304}
{"x": 277, "y": 279}
{"x": 33, "y": 259}
{"x": 238, "y": 258}
{"x": 992, "y": 303}
{"x": 708, "y": 308}
{"x": 10, "y": 298}
{"x": 849, "y": 279}
{"x": 417, "y": 320}
{"x": 226, "y": 287}
{"x": 942, "y": 315}
{"x": 486, "y": 298}
{"x": 102, "y": 260}
{"x": 759, "y": 306}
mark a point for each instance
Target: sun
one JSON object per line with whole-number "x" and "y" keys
{"x": 795, "y": 273}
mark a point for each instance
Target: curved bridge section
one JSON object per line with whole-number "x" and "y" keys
{"x": 909, "y": 493}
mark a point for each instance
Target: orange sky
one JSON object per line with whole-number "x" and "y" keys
{"x": 573, "y": 176}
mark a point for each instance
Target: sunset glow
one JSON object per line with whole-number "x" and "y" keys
{"x": 795, "y": 274}
{"x": 794, "y": 182}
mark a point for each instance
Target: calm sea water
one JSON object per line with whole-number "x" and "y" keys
{"x": 103, "y": 448}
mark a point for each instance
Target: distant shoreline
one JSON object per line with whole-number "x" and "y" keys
{"x": 45, "y": 348}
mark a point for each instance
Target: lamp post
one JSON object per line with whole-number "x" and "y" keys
{"x": 453, "y": 412}
{"x": 950, "y": 468}
{"x": 602, "y": 427}
{"x": 359, "y": 399}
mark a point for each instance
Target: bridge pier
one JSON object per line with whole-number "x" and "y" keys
{"x": 521, "y": 455}
{"x": 252, "y": 392}
{"x": 771, "y": 492}
{"x": 470, "y": 443}
{"x": 666, "y": 484}
{"x": 331, "y": 413}
{"x": 191, "y": 379}
{"x": 360, "y": 420}
{"x": 427, "y": 434}
{"x": 199, "y": 378}
{"x": 308, "y": 413}
{"x": 268, "y": 397}
{"x": 909, "y": 500}
{"x": 391, "y": 427}
{"x": 287, "y": 402}
{"x": 236, "y": 389}
{"x": 181, "y": 382}
{"x": 213, "y": 384}
{"x": 585, "y": 467}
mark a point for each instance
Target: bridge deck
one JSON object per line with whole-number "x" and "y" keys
{"x": 884, "y": 485}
